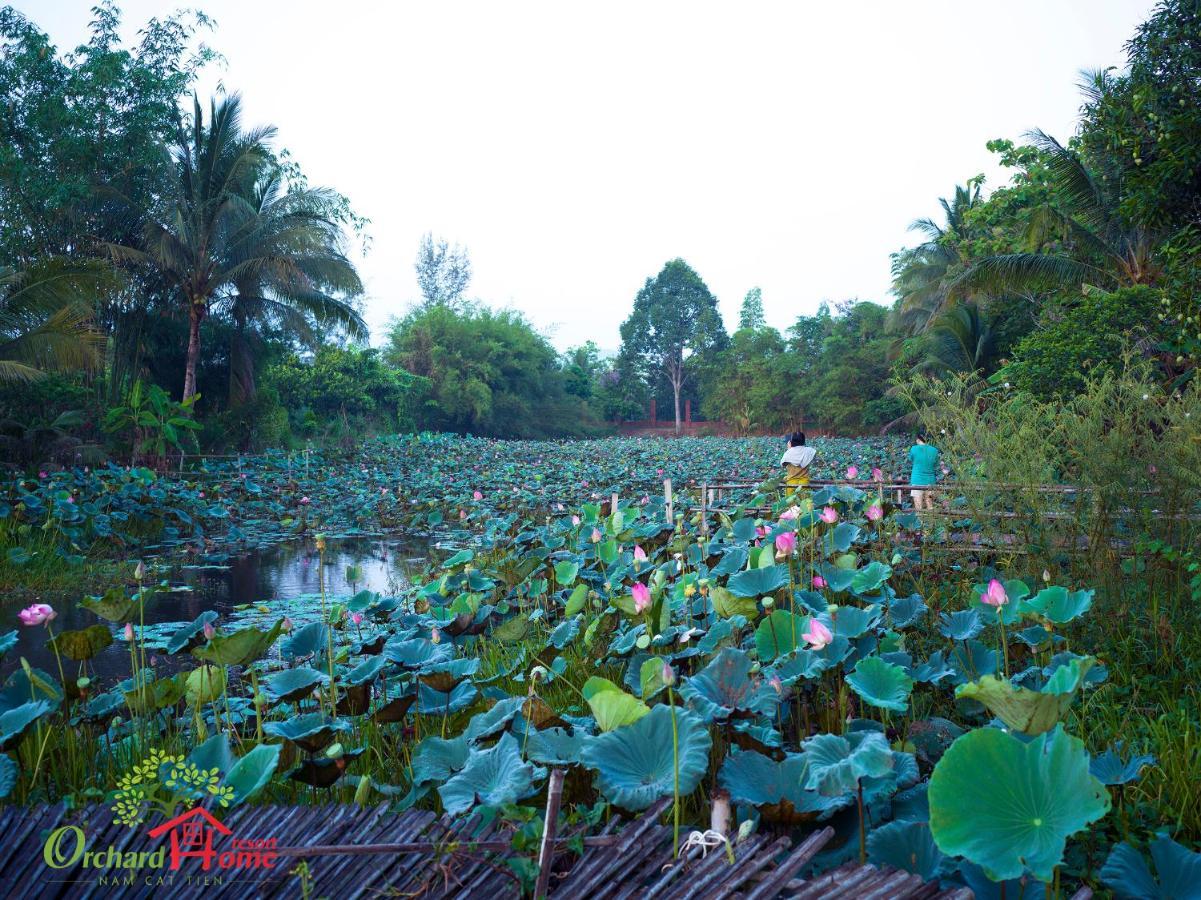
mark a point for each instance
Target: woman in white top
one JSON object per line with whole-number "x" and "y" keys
{"x": 797, "y": 459}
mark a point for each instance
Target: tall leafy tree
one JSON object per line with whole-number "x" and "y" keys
{"x": 751, "y": 315}
{"x": 675, "y": 319}
{"x": 46, "y": 318}
{"x": 443, "y": 271}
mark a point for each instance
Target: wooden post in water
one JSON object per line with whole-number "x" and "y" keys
{"x": 546, "y": 853}
{"x": 671, "y": 519}
{"x": 704, "y": 507}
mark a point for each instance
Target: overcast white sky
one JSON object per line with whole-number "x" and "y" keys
{"x": 574, "y": 148}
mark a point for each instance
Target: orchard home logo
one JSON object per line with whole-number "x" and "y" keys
{"x": 193, "y": 835}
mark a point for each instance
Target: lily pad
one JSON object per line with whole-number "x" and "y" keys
{"x": 82, "y": 644}
{"x": 724, "y": 689}
{"x": 311, "y": 732}
{"x": 1024, "y": 710}
{"x": 492, "y": 777}
{"x": 1177, "y": 873}
{"x": 881, "y": 684}
{"x": 837, "y": 763}
{"x": 291, "y": 685}
{"x": 775, "y": 788}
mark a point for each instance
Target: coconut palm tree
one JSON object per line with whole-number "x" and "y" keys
{"x": 219, "y": 236}
{"x": 297, "y": 223}
{"x": 962, "y": 339}
{"x": 924, "y": 276}
{"x": 46, "y": 318}
{"x": 1095, "y": 243}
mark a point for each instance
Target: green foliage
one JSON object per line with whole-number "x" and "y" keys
{"x": 489, "y": 372}
{"x": 1090, "y": 336}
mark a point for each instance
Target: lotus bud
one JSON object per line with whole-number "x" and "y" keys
{"x": 755, "y": 668}
{"x": 286, "y": 626}
{"x": 209, "y": 631}
{"x": 357, "y": 618}
{"x": 335, "y": 750}
{"x": 668, "y": 675}
{"x": 139, "y": 571}
{"x": 768, "y": 602}
{"x": 538, "y": 673}
{"x": 435, "y": 635}
{"x": 83, "y": 683}
{"x": 320, "y": 543}
{"x": 1046, "y": 577}
{"x": 832, "y": 608}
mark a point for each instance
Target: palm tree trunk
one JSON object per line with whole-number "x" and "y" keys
{"x": 195, "y": 314}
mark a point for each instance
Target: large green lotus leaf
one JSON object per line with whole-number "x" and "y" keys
{"x": 732, "y": 560}
{"x": 907, "y": 846}
{"x": 907, "y": 611}
{"x": 291, "y": 685}
{"x": 434, "y": 702}
{"x": 778, "y": 634}
{"x": 870, "y": 577}
{"x": 190, "y": 635}
{"x": 1058, "y": 605}
{"x": 310, "y": 732}
{"x": 757, "y": 582}
{"x": 444, "y": 674}
{"x": 308, "y": 640}
{"x": 417, "y": 653}
{"x": 82, "y": 644}
{"x": 971, "y": 661}
{"x": 215, "y": 753}
{"x": 881, "y": 683}
{"x": 650, "y": 677}
{"x": 961, "y": 625}
{"x": 493, "y": 721}
{"x": 1111, "y": 769}
{"x": 839, "y": 538}
{"x": 837, "y": 578}
{"x": 204, "y": 684}
{"x": 743, "y": 529}
{"x": 437, "y": 759}
{"x": 555, "y": 746}
{"x": 113, "y": 605}
{"x": 613, "y": 709}
{"x": 564, "y": 633}
{"x": 802, "y": 665}
{"x": 635, "y": 765}
{"x": 251, "y": 773}
{"x": 1009, "y": 806}
{"x": 838, "y": 762}
{"x": 1024, "y": 710}
{"x": 151, "y": 694}
{"x": 323, "y": 772}
{"x": 595, "y": 684}
{"x": 1177, "y": 872}
{"x": 566, "y": 572}
{"x": 853, "y": 621}
{"x": 724, "y": 690}
{"x": 492, "y": 777}
{"x": 775, "y": 788}
{"x": 365, "y": 672}
{"x": 15, "y": 722}
{"x": 727, "y": 604}
{"x": 240, "y": 648}
{"x": 9, "y": 773}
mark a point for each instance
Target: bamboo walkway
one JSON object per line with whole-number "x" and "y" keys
{"x": 353, "y": 852}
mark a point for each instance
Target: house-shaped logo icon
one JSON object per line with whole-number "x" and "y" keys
{"x": 192, "y": 836}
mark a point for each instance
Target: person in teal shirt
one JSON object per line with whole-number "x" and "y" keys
{"x": 924, "y": 457}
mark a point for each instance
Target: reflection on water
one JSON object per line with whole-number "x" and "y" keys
{"x": 282, "y": 572}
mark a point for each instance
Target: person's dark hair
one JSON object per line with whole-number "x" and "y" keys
{"x": 797, "y": 439}
{"x": 921, "y": 437}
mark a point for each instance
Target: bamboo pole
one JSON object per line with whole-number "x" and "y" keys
{"x": 546, "y": 853}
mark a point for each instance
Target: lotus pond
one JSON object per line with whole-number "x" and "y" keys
{"x": 808, "y": 656}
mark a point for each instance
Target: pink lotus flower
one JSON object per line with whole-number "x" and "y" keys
{"x": 819, "y": 582}
{"x": 202, "y": 495}
{"x": 639, "y": 554}
{"x": 304, "y": 501}
{"x": 476, "y": 495}
{"x": 657, "y": 472}
{"x": 575, "y": 521}
{"x": 462, "y": 514}
{"x": 129, "y": 631}
{"x": 584, "y": 484}
{"x": 596, "y": 536}
{"x": 818, "y": 635}
{"x": 790, "y": 514}
{"x": 995, "y": 594}
{"x": 874, "y": 513}
{"x": 877, "y": 474}
{"x": 668, "y": 674}
{"x": 357, "y": 618}
{"x": 287, "y": 625}
{"x": 829, "y": 515}
{"x": 435, "y": 635}
{"x": 852, "y": 472}
{"x": 642, "y": 596}
{"x": 777, "y": 684}
{"x": 42, "y": 475}
{"x": 786, "y": 543}
{"x": 36, "y": 614}
{"x": 209, "y": 631}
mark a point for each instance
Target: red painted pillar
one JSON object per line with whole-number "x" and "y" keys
{"x": 653, "y": 416}
{"x": 687, "y": 412}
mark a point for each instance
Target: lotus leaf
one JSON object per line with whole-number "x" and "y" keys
{"x": 113, "y": 605}
{"x": 365, "y": 672}
{"x": 311, "y": 732}
{"x": 240, "y": 648}
{"x": 837, "y": 763}
{"x": 907, "y": 846}
{"x": 635, "y": 765}
{"x": 9, "y": 773}
{"x": 486, "y": 724}
{"x": 881, "y": 684}
{"x": 758, "y": 582}
{"x": 779, "y": 634}
{"x": 555, "y": 746}
{"x": 1036, "y": 795}
{"x": 870, "y": 577}
{"x": 323, "y": 772}
{"x": 961, "y": 625}
{"x": 190, "y": 635}
{"x": 1109, "y": 768}
{"x": 252, "y": 772}
{"x": 852, "y": 621}
{"x": 82, "y": 644}
{"x": 907, "y": 611}
{"x": 434, "y": 702}
{"x": 1177, "y": 872}
{"x": 1058, "y": 605}
{"x": 291, "y": 685}
{"x": 727, "y": 604}
{"x": 1024, "y": 710}
{"x": 724, "y": 689}
{"x": 204, "y": 684}
{"x": 15, "y": 722}
{"x": 307, "y": 640}
{"x": 972, "y": 661}
{"x": 614, "y": 708}
{"x": 492, "y": 777}
{"x": 417, "y": 653}
{"x": 775, "y": 788}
